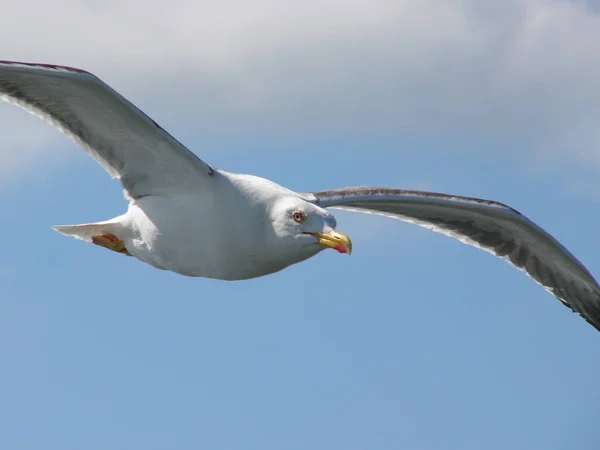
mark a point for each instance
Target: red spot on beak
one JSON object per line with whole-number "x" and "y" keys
{"x": 341, "y": 248}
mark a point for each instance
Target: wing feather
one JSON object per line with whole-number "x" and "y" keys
{"x": 122, "y": 139}
{"x": 485, "y": 224}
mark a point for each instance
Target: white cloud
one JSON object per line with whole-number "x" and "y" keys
{"x": 527, "y": 70}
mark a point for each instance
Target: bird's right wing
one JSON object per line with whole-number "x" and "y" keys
{"x": 126, "y": 142}
{"x": 488, "y": 225}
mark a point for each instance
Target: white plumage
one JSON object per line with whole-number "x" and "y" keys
{"x": 190, "y": 218}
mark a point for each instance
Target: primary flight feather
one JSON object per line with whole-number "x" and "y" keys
{"x": 196, "y": 220}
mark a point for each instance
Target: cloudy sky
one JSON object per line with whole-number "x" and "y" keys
{"x": 416, "y": 341}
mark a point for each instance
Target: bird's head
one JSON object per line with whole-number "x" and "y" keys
{"x": 305, "y": 228}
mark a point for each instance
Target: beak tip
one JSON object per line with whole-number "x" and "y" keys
{"x": 335, "y": 240}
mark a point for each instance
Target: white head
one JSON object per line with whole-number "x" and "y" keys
{"x": 303, "y": 229}
{"x": 284, "y": 229}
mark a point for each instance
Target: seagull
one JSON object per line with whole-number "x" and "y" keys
{"x": 199, "y": 221}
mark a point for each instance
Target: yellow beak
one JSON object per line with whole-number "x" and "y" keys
{"x": 335, "y": 240}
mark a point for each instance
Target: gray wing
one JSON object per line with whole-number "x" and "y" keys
{"x": 491, "y": 226}
{"x": 127, "y": 143}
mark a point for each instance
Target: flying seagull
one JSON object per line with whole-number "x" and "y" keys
{"x": 196, "y": 220}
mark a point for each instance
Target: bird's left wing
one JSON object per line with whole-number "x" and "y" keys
{"x": 491, "y": 226}
{"x": 121, "y": 138}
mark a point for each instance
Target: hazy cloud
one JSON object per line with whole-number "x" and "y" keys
{"x": 523, "y": 70}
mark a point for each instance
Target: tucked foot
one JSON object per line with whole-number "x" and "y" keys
{"x": 111, "y": 242}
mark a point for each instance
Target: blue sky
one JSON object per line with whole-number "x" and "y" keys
{"x": 415, "y": 341}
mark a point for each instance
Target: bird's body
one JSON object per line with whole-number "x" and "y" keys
{"x": 190, "y": 218}
{"x": 171, "y": 232}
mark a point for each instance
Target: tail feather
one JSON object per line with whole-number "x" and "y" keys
{"x": 85, "y": 231}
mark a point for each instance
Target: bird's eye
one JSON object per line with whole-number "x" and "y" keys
{"x": 299, "y": 216}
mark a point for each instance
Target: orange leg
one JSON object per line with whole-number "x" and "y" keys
{"x": 111, "y": 242}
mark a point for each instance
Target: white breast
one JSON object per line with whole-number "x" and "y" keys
{"x": 193, "y": 234}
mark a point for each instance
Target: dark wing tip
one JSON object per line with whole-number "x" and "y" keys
{"x": 54, "y": 67}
